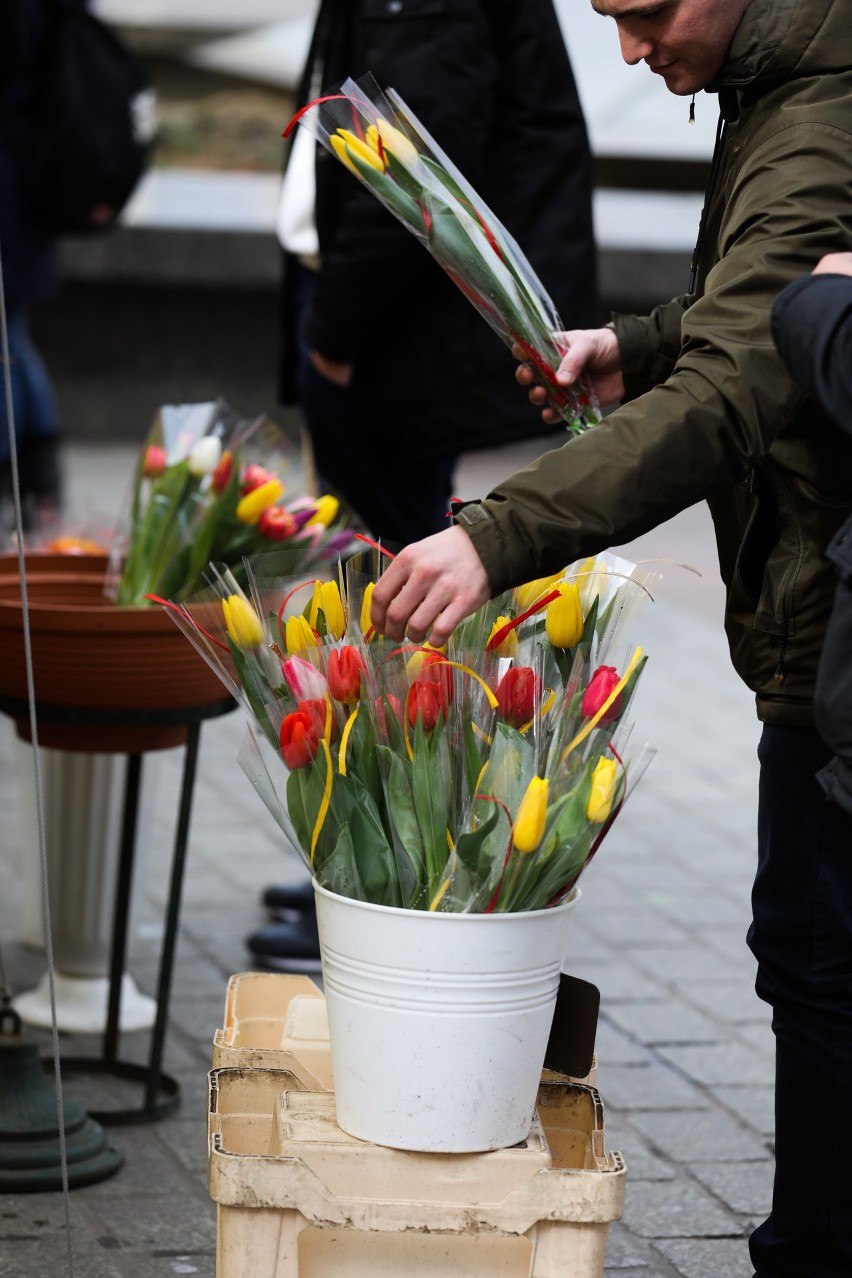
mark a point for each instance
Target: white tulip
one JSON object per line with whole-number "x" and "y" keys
{"x": 205, "y": 455}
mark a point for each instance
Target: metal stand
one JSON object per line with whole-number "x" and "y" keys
{"x": 162, "y": 1092}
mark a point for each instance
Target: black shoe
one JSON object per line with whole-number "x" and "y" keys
{"x": 289, "y": 901}
{"x": 287, "y": 947}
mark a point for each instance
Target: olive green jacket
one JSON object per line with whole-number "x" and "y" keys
{"x": 710, "y": 411}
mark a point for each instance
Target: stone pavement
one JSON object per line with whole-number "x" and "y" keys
{"x": 685, "y": 1055}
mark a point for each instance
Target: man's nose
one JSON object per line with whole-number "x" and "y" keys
{"x": 634, "y": 48}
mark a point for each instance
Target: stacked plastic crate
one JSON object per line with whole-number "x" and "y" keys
{"x": 299, "y": 1198}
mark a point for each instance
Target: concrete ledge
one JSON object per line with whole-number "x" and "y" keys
{"x": 217, "y": 230}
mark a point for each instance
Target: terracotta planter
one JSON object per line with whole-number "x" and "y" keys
{"x": 106, "y": 678}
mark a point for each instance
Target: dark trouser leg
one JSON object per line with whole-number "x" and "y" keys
{"x": 36, "y": 434}
{"x": 398, "y": 499}
{"x": 802, "y": 938}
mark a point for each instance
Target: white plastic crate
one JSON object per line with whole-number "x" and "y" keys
{"x": 298, "y": 1198}
{"x": 275, "y": 1021}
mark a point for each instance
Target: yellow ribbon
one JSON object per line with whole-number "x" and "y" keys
{"x": 492, "y": 700}
{"x": 344, "y": 738}
{"x": 326, "y": 799}
{"x": 438, "y": 897}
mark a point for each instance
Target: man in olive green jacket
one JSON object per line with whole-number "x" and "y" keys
{"x": 708, "y": 411}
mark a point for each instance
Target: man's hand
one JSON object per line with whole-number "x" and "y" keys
{"x": 331, "y": 370}
{"x": 834, "y": 264}
{"x": 429, "y": 588}
{"x": 590, "y": 351}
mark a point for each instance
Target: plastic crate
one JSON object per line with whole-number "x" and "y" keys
{"x": 299, "y": 1198}
{"x": 275, "y": 1021}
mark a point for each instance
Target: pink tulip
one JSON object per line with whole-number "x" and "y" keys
{"x": 304, "y": 680}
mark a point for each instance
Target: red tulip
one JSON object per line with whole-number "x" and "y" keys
{"x": 517, "y": 694}
{"x": 436, "y": 669}
{"x": 154, "y": 461}
{"x": 222, "y": 474}
{"x": 431, "y": 692}
{"x": 425, "y": 701}
{"x": 345, "y": 666}
{"x": 276, "y": 524}
{"x": 396, "y": 709}
{"x": 299, "y": 739}
{"x": 255, "y": 476}
{"x": 600, "y": 686}
{"x": 317, "y": 711}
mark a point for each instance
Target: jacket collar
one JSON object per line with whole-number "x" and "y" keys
{"x": 768, "y": 46}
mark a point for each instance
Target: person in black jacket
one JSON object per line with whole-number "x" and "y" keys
{"x": 812, "y": 328}
{"x": 394, "y": 370}
{"x": 29, "y": 277}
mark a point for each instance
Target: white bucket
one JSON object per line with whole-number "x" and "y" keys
{"x": 438, "y": 1022}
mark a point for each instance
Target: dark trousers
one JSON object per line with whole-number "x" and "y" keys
{"x": 801, "y": 936}
{"x": 36, "y": 434}
{"x": 397, "y": 499}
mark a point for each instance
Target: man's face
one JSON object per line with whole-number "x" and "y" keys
{"x": 684, "y": 41}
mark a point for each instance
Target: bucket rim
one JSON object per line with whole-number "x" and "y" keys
{"x": 456, "y": 915}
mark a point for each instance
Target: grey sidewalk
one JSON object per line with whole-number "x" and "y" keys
{"x": 684, "y": 1047}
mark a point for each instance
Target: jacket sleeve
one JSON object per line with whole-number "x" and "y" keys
{"x": 812, "y": 327}
{"x": 726, "y": 399}
{"x": 649, "y": 345}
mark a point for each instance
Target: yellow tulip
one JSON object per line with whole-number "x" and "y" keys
{"x": 603, "y": 791}
{"x": 563, "y": 618}
{"x": 509, "y": 646}
{"x": 298, "y": 635}
{"x": 398, "y": 144}
{"x": 242, "y": 622}
{"x": 366, "y": 618}
{"x": 527, "y": 594}
{"x": 531, "y": 817}
{"x": 251, "y": 507}
{"x": 338, "y": 146}
{"x": 352, "y": 145}
{"x": 326, "y": 600}
{"x": 325, "y": 513}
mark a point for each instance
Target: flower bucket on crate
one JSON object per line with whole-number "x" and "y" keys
{"x": 438, "y": 1023}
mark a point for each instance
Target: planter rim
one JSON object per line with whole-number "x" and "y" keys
{"x": 77, "y": 616}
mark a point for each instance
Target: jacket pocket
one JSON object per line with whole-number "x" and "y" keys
{"x": 398, "y": 10}
{"x": 770, "y": 557}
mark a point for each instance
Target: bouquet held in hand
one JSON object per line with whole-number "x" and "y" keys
{"x": 383, "y": 143}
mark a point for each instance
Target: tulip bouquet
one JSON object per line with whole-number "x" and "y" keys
{"x": 383, "y": 143}
{"x": 207, "y": 488}
{"x": 480, "y": 778}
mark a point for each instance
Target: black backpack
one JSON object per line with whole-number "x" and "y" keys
{"x": 95, "y": 124}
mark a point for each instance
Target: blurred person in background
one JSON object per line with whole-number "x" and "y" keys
{"x": 29, "y": 277}
{"x": 394, "y": 370}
